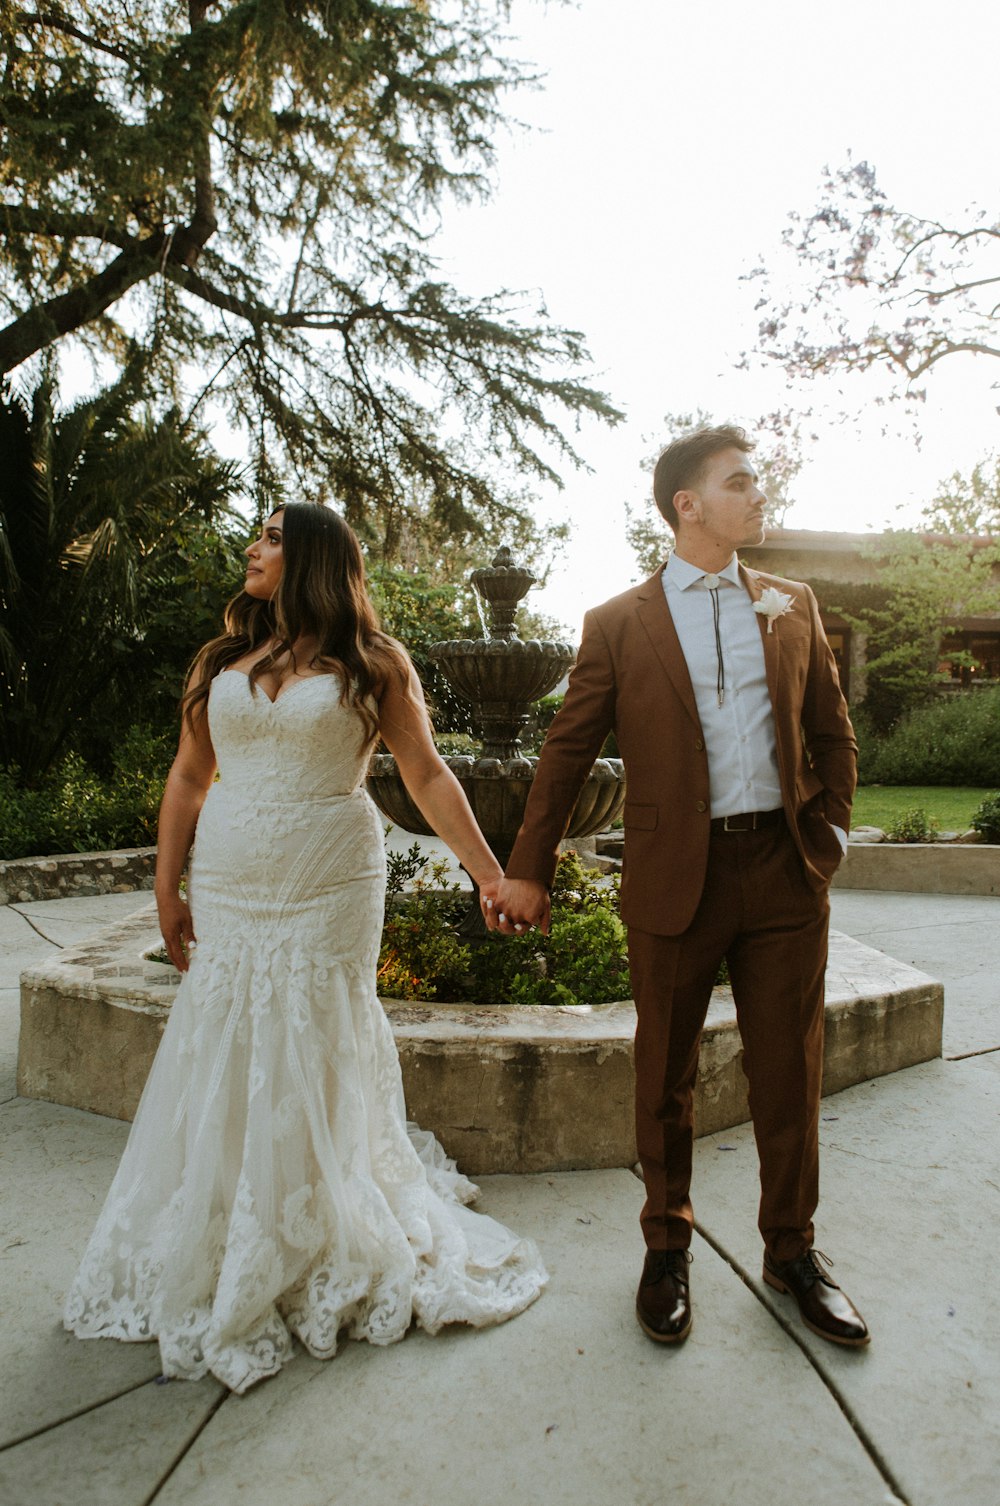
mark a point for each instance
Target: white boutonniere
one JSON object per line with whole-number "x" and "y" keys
{"x": 772, "y": 604}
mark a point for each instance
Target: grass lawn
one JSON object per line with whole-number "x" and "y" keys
{"x": 881, "y": 804}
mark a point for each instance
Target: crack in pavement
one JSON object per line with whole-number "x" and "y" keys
{"x": 857, "y": 1155}
{"x": 186, "y": 1448}
{"x": 59, "y": 1422}
{"x": 794, "y": 1332}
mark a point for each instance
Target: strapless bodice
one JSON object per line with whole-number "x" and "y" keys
{"x": 304, "y": 745}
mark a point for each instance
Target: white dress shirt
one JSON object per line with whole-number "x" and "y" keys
{"x": 739, "y": 734}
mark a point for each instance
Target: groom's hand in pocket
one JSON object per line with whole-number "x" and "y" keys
{"x": 517, "y": 905}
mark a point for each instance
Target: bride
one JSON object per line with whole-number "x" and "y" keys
{"x": 270, "y": 1185}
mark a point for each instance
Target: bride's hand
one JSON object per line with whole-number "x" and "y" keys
{"x": 176, "y": 929}
{"x": 487, "y": 896}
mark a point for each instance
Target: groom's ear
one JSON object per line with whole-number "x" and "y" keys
{"x": 687, "y": 505}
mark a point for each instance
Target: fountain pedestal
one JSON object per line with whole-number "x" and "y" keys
{"x": 502, "y": 676}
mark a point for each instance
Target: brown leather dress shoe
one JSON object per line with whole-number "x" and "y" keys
{"x": 663, "y": 1302}
{"x": 823, "y": 1306}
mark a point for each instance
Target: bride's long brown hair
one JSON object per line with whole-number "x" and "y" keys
{"x": 321, "y": 594}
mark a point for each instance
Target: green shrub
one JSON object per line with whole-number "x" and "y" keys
{"x": 955, "y": 740}
{"x": 449, "y": 744}
{"x": 540, "y": 719}
{"x": 421, "y": 956}
{"x": 987, "y": 819}
{"x": 401, "y": 868}
{"x": 582, "y": 960}
{"x": 585, "y": 962}
{"x": 75, "y": 810}
{"x": 912, "y": 825}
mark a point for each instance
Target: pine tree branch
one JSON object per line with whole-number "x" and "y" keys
{"x": 44, "y": 322}
{"x": 23, "y": 219}
{"x": 57, "y": 22}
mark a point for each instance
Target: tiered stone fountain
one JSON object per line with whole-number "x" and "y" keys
{"x": 502, "y": 676}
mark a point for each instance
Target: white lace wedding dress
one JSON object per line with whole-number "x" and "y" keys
{"x": 271, "y": 1185}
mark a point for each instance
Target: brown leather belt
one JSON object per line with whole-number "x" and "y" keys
{"x": 748, "y": 820}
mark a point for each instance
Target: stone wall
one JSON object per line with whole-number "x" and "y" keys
{"x": 68, "y": 874}
{"x": 921, "y": 868}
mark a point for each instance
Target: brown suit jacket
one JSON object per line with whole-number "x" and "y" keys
{"x": 631, "y": 677}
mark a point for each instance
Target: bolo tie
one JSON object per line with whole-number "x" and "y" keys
{"x": 712, "y": 585}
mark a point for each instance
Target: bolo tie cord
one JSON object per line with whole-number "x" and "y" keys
{"x": 720, "y": 673}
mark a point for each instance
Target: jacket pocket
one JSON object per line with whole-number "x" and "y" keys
{"x": 643, "y": 817}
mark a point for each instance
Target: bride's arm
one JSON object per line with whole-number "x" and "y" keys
{"x": 188, "y": 782}
{"x": 406, "y": 732}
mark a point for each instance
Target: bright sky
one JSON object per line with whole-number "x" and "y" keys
{"x": 671, "y": 142}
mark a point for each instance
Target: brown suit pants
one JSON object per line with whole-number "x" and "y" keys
{"x": 759, "y": 913}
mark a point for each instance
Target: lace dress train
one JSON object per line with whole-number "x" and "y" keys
{"x": 271, "y": 1185}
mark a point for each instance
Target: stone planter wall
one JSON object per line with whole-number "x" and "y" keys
{"x": 909, "y": 868}
{"x": 505, "y": 1090}
{"x": 76, "y": 874}
{"x": 921, "y": 867}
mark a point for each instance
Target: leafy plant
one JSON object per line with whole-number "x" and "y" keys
{"x": 987, "y": 819}
{"x": 421, "y": 956}
{"x": 914, "y": 825}
{"x": 457, "y": 744}
{"x": 582, "y": 961}
{"x": 923, "y": 584}
{"x": 585, "y": 962}
{"x": 75, "y": 809}
{"x": 103, "y": 522}
{"x": 401, "y": 868}
{"x": 955, "y": 740}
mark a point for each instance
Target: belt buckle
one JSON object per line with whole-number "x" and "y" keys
{"x": 750, "y": 816}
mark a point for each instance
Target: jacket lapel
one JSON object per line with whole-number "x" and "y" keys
{"x": 771, "y": 641}
{"x": 654, "y": 614}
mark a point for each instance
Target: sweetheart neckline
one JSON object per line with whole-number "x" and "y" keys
{"x": 283, "y": 692}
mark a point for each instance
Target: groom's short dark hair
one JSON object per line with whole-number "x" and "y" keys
{"x": 680, "y": 464}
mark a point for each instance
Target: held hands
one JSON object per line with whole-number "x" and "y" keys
{"x": 513, "y": 906}
{"x": 176, "y": 929}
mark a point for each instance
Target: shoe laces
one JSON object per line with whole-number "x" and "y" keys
{"x": 674, "y": 1262}
{"x": 810, "y": 1262}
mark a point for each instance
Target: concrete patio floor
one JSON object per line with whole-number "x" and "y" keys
{"x": 569, "y": 1403}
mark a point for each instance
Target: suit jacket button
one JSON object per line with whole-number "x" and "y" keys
{"x": 698, "y": 744}
{"x": 701, "y": 806}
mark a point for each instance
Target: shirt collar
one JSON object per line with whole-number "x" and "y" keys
{"x": 682, "y": 574}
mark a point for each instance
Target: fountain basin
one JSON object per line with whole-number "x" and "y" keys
{"x": 505, "y": 1090}
{"x": 485, "y": 670}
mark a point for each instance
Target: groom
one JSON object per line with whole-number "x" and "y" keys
{"x": 740, "y": 760}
